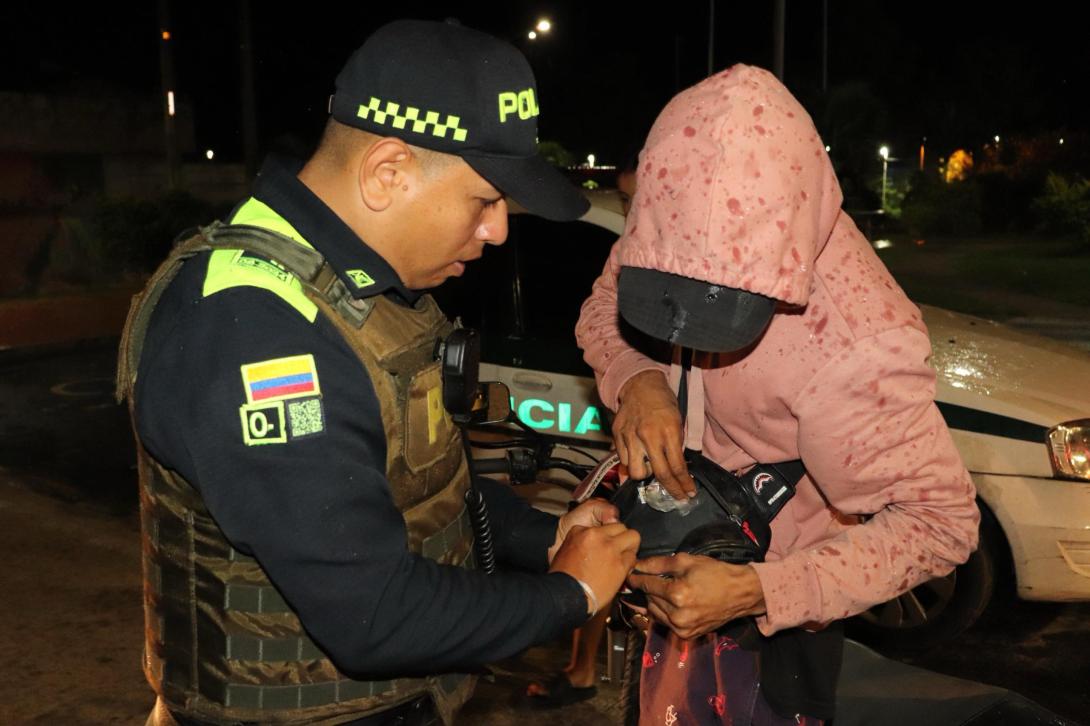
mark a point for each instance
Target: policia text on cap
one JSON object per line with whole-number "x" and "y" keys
{"x": 307, "y": 553}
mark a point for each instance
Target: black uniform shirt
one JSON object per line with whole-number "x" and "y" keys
{"x": 316, "y": 509}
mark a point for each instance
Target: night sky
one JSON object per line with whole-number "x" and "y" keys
{"x": 957, "y": 73}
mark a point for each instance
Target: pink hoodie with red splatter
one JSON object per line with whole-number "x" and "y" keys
{"x": 735, "y": 187}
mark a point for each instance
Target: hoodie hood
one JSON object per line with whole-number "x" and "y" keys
{"x": 734, "y": 188}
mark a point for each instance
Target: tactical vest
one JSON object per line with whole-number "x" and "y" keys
{"x": 221, "y": 644}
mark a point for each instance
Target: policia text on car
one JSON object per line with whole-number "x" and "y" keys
{"x": 307, "y": 553}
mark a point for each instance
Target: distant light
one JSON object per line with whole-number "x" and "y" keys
{"x": 828, "y": 149}
{"x": 170, "y": 103}
{"x": 590, "y": 160}
{"x": 1061, "y": 142}
{"x": 997, "y": 138}
{"x": 882, "y": 244}
{"x": 166, "y": 35}
{"x": 209, "y": 154}
{"x": 532, "y": 35}
{"x": 884, "y": 152}
{"x": 544, "y": 26}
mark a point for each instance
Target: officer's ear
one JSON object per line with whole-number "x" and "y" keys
{"x": 388, "y": 169}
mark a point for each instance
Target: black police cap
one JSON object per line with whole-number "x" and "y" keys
{"x": 451, "y": 89}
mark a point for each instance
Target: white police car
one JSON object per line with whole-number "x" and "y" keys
{"x": 1016, "y": 404}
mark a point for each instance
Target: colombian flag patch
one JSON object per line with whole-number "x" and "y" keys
{"x": 280, "y": 379}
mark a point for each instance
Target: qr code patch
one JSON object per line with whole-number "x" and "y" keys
{"x": 306, "y": 417}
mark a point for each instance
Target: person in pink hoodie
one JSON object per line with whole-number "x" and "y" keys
{"x": 811, "y": 351}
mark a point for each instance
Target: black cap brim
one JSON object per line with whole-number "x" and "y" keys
{"x": 534, "y": 183}
{"x": 691, "y": 313}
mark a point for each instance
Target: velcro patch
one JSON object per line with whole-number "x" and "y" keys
{"x": 263, "y": 423}
{"x": 306, "y": 417}
{"x": 277, "y": 422}
{"x": 280, "y": 379}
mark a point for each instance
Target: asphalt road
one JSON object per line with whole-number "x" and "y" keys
{"x": 70, "y": 644}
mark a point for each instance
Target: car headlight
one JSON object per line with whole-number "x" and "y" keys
{"x": 1069, "y": 444}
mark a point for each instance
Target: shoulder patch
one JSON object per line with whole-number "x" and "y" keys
{"x": 280, "y": 379}
{"x": 283, "y": 401}
{"x": 306, "y": 417}
{"x": 263, "y": 423}
{"x": 266, "y": 422}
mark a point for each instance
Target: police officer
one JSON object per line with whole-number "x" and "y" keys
{"x": 307, "y": 553}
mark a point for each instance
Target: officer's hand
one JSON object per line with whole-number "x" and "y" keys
{"x": 693, "y": 595}
{"x": 647, "y": 427}
{"x": 599, "y": 556}
{"x": 591, "y": 513}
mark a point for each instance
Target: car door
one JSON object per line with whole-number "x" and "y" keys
{"x": 525, "y": 297}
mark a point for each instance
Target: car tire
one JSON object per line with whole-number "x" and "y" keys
{"x": 937, "y": 610}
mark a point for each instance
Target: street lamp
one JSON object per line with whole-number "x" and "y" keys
{"x": 543, "y": 27}
{"x": 590, "y": 160}
{"x": 884, "y": 153}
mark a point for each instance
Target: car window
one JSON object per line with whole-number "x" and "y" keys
{"x": 525, "y": 295}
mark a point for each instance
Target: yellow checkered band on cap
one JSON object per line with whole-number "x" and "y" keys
{"x": 416, "y": 120}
